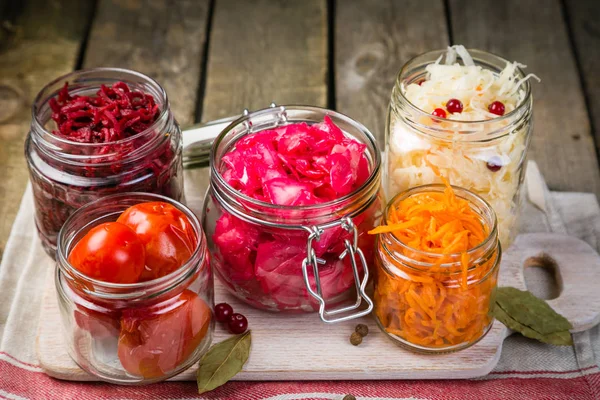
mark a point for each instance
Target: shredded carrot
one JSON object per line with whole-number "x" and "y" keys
{"x": 439, "y": 306}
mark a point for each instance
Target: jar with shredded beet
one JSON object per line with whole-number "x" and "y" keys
{"x": 436, "y": 271}
{"x": 98, "y": 132}
{"x": 294, "y": 191}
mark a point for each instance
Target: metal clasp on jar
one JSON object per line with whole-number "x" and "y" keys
{"x": 353, "y": 251}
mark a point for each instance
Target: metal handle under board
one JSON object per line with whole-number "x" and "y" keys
{"x": 198, "y": 140}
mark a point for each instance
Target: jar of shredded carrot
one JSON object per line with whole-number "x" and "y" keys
{"x": 436, "y": 268}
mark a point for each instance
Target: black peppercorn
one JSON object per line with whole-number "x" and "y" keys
{"x": 362, "y": 330}
{"x": 349, "y": 397}
{"x": 355, "y": 338}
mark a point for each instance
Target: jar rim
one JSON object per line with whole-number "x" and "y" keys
{"x": 172, "y": 279}
{"x": 459, "y": 192}
{"x": 371, "y": 142}
{"x": 434, "y": 54}
{"x": 39, "y": 126}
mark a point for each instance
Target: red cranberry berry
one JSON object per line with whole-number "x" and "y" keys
{"x": 439, "y": 112}
{"x": 237, "y": 324}
{"x": 494, "y": 164}
{"x": 497, "y": 108}
{"x": 454, "y": 106}
{"x": 223, "y": 312}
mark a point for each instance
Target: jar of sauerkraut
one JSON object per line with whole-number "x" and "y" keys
{"x": 436, "y": 269}
{"x": 98, "y": 132}
{"x": 469, "y": 122}
{"x": 294, "y": 191}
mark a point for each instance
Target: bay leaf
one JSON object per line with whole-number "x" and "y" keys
{"x": 521, "y": 311}
{"x": 223, "y": 361}
{"x": 562, "y": 338}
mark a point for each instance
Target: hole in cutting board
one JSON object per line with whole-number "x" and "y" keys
{"x": 540, "y": 276}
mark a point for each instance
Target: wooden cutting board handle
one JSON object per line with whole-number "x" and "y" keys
{"x": 577, "y": 268}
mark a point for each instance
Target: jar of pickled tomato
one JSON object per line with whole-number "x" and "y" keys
{"x": 436, "y": 271}
{"x": 468, "y": 121}
{"x": 294, "y": 190}
{"x": 98, "y": 132}
{"x": 141, "y": 332}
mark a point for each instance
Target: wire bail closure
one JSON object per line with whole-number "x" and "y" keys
{"x": 352, "y": 250}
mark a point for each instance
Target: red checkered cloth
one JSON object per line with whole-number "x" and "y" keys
{"x": 527, "y": 369}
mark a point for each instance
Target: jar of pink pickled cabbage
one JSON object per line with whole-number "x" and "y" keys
{"x": 294, "y": 191}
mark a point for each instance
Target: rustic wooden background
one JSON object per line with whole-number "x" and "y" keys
{"x": 216, "y": 57}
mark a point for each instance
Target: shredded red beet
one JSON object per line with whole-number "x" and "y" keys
{"x": 116, "y": 112}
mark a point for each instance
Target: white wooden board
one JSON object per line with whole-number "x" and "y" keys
{"x": 301, "y": 347}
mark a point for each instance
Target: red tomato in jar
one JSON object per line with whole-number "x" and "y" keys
{"x": 97, "y": 319}
{"x": 156, "y": 340}
{"x": 100, "y": 324}
{"x": 110, "y": 252}
{"x": 167, "y": 234}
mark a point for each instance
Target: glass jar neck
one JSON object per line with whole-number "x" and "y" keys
{"x": 268, "y": 214}
{"x": 108, "y": 209}
{"x": 57, "y": 150}
{"x": 443, "y": 129}
{"x": 398, "y": 253}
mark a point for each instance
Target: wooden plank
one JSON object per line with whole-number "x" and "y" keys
{"x": 264, "y": 51}
{"x": 373, "y": 39}
{"x": 584, "y": 22}
{"x": 536, "y": 35}
{"x": 160, "y": 38}
{"x": 40, "y": 41}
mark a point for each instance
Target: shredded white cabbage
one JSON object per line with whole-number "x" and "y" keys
{"x": 473, "y": 85}
{"x": 464, "y": 54}
{"x": 461, "y": 160}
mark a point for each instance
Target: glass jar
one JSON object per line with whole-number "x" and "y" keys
{"x": 486, "y": 157}
{"x": 134, "y": 333}
{"x": 66, "y": 175}
{"x": 427, "y": 302}
{"x": 293, "y": 258}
